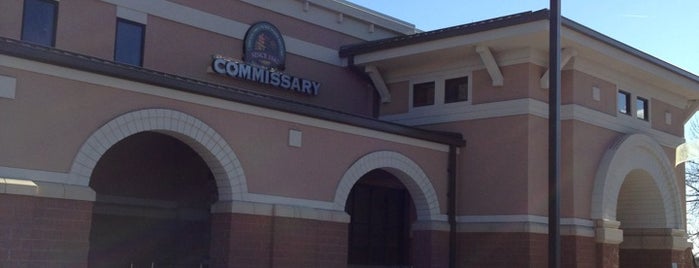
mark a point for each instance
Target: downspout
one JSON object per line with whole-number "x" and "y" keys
{"x": 451, "y": 204}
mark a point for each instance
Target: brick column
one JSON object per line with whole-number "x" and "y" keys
{"x": 608, "y": 236}
{"x": 41, "y": 227}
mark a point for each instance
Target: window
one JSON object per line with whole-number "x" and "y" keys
{"x": 456, "y": 89}
{"x": 39, "y": 22}
{"x": 642, "y": 108}
{"x": 128, "y": 47}
{"x": 624, "y": 102}
{"x": 423, "y": 94}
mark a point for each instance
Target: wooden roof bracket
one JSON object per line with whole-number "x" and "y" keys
{"x": 491, "y": 65}
{"x": 379, "y": 83}
{"x": 566, "y": 54}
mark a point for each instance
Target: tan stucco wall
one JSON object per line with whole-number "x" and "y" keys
{"x": 10, "y": 18}
{"x": 79, "y": 18}
{"x": 493, "y": 174}
{"x": 400, "y": 99}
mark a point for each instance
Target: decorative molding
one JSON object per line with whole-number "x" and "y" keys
{"x": 444, "y": 113}
{"x": 442, "y": 226}
{"x": 45, "y": 189}
{"x": 522, "y": 224}
{"x": 279, "y": 210}
{"x": 34, "y": 175}
{"x": 291, "y": 201}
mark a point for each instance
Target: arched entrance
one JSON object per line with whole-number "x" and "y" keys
{"x": 210, "y": 147}
{"x": 153, "y": 199}
{"x": 637, "y": 206}
{"x": 422, "y": 209}
{"x": 381, "y": 212}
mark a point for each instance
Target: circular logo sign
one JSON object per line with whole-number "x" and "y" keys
{"x": 264, "y": 46}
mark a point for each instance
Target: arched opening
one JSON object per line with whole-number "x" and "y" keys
{"x": 637, "y": 206}
{"x": 641, "y": 214}
{"x": 154, "y": 195}
{"x": 381, "y": 211}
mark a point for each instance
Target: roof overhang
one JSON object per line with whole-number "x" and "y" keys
{"x": 511, "y": 38}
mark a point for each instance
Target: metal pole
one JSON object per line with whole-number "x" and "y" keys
{"x": 554, "y": 134}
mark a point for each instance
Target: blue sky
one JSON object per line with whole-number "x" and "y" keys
{"x": 668, "y": 30}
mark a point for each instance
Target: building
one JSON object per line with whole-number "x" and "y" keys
{"x": 292, "y": 133}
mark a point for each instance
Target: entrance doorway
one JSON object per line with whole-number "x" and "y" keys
{"x": 381, "y": 211}
{"x": 154, "y": 195}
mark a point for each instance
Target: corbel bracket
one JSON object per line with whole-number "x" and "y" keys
{"x": 491, "y": 65}
{"x": 566, "y": 54}
{"x": 379, "y": 83}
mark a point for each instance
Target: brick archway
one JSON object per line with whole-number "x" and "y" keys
{"x": 212, "y": 148}
{"x": 406, "y": 170}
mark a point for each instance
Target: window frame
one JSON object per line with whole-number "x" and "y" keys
{"x": 468, "y": 90}
{"x": 434, "y": 94}
{"x": 141, "y": 44}
{"x": 23, "y": 34}
{"x": 439, "y": 80}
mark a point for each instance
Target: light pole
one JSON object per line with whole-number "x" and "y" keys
{"x": 554, "y": 134}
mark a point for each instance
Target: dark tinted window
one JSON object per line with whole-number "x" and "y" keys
{"x": 642, "y": 108}
{"x": 624, "y": 102}
{"x": 456, "y": 90}
{"x": 423, "y": 94}
{"x": 129, "y": 42}
{"x": 39, "y": 21}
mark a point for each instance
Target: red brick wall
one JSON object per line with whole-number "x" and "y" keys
{"x": 607, "y": 255}
{"x": 240, "y": 240}
{"x": 652, "y": 258}
{"x": 430, "y": 249}
{"x": 43, "y": 232}
{"x": 506, "y": 250}
{"x": 578, "y": 252}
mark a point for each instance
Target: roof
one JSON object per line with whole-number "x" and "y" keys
{"x": 81, "y": 62}
{"x": 502, "y": 22}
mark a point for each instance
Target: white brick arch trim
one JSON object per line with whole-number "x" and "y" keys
{"x": 633, "y": 153}
{"x": 406, "y": 170}
{"x": 212, "y": 148}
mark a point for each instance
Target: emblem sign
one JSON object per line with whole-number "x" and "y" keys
{"x": 264, "y": 46}
{"x": 264, "y": 57}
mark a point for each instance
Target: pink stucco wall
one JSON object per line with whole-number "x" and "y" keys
{"x": 51, "y": 118}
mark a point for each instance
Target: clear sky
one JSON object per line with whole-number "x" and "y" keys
{"x": 666, "y": 29}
